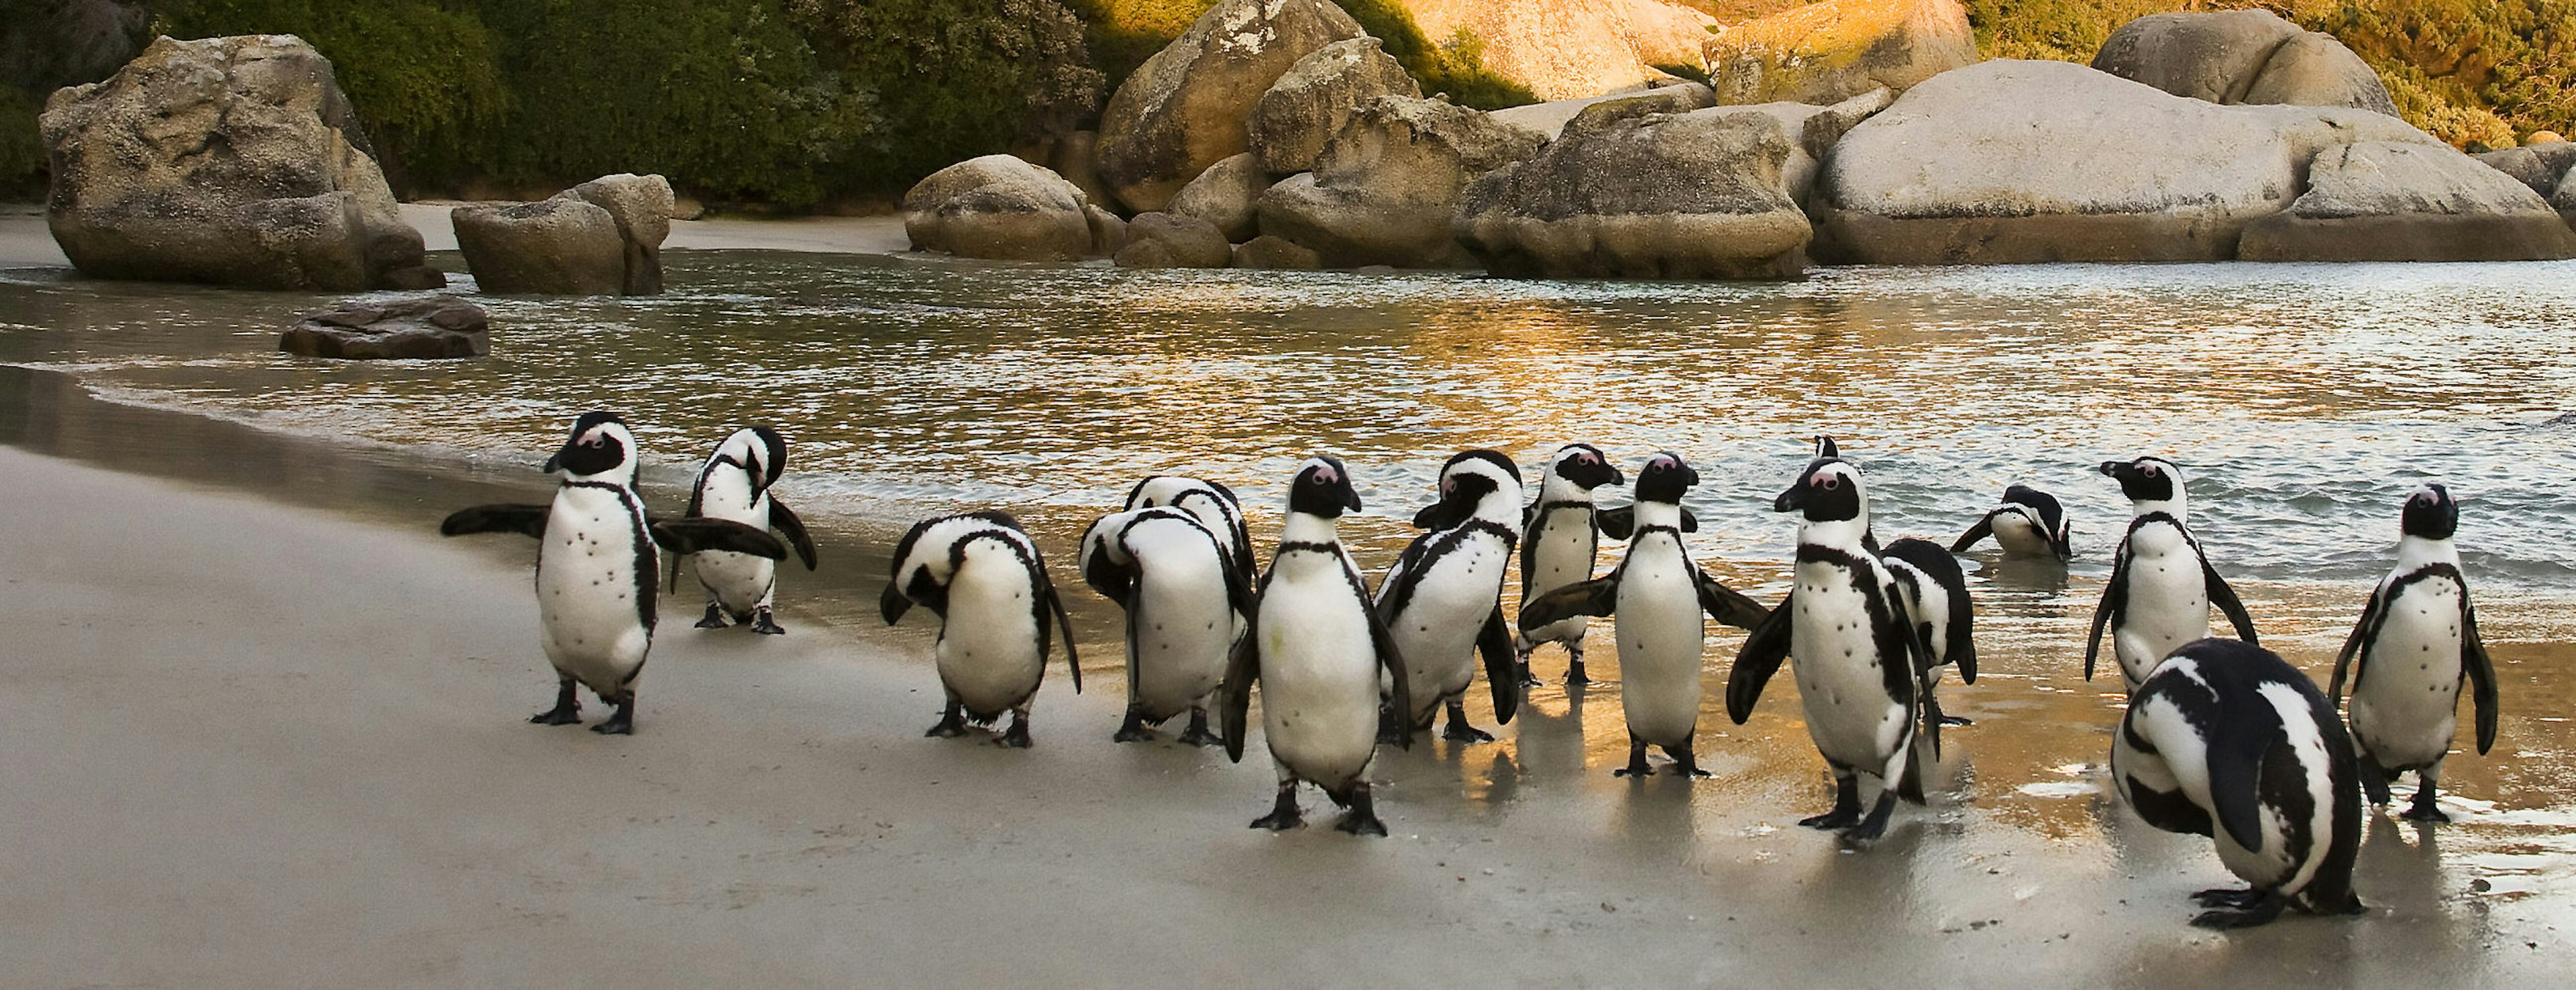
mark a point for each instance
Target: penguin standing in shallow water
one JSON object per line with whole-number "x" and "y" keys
{"x": 597, "y": 568}
{"x": 1657, "y": 596}
{"x": 2027, "y": 523}
{"x": 1936, "y": 598}
{"x": 1182, "y": 595}
{"x": 1213, "y": 504}
{"x": 1442, "y": 599}
{"x": 2227, "y": 740}
{"x": 1560, "y": 537}
{"x": 983, "y": 576}
{"x": 1856, "y": 652}
{"x": 1315, "y": 645}
{"x": 2161, "y": 587}
{"x": 734, "y": 486}
{"x": 2416, "y": 643}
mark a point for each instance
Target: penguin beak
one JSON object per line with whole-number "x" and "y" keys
{"x": 554, "y": 462}
{"x": 893, "y": 604}
{"x": 2111, "y": 469}
{"x": 1350, "y": 496}
{"x": 1792, "y": 500}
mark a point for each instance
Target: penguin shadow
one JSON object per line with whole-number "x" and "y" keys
{"x": 1658, "y": 815}
{"x": 1551, "y": 744}
{"x": 2026, "y": 574}
{"x": 2398, "y": 877}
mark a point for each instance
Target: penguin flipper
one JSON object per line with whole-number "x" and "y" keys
{"x": 1617, "y": 524}
{"x": 1984, "y": 528}
{"x": 701, "y": 535}
{"x": 1055, "y": 604}
{"x": 529, "y": 520}
{"x": 1392, "y": 659}
{"x": 1726, "y": 604}
{"x": 1114, "y": 581}
{"x": 1596, "y": 597}
{"x": 1690, "y": 523}
{"x": 1502, "y": 665}
{"x": 2236, "y": 758}
{"x": 1761, "y": 657}
{"x": 2352, "y": 645}
{"x": 784, "y": 520}
{"x": 2115, "y": 597}
{"x": 2223, "y": 598}
{"x": 2481, "y": 671}
{"x": 1242, "y": 668}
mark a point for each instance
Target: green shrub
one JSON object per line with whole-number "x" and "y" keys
{"x": 1455, "y": 66}
{"x": 22, "y": 149}
{"x": 960, "y": 79}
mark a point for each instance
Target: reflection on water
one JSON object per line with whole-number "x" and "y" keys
{"x": 2303, "y": 401}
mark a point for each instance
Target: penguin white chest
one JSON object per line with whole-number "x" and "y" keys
{"x": 2405, "y": 703}
{"x": 588, "y": 585}
{"x": 2020, "y": 537}
{"x": 1319, "y": 672}
{"x": 988, "y": 647}
{"x": 1834, "y": 651}
{"x": 1560, "y": 555}
{"x": 2168, "y": 600}
{"x": 1180, "y": 631}
{"x": 739, "y": 581}
{"x": 1451, "y": 601}
{"x": 1661, "y": 636}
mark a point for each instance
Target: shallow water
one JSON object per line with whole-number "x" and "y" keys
{"x": 2303, "y": 401}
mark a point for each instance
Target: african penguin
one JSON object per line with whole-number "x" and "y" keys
{"x": 1854, "y": 647}
{"x": 983, "y": 576}
{"x": 1936, "y": 598}
{"x": 2227, "y": 740}
{"x": 1183, "y": 599}
{"x": 1442, "y": 598}
{"x": 2403, "y": 717}
{"x": 735, "y": 485}
{"x": 1213, "y": 503}
{"x": 597, "y": 567}
{"x": 1560, "y": 536}
{"x": 1316, "y": 648}
{"x": 2161, "y": 587}
{"x": 2027, "y": 523}
{"x": 1656, "y": 595}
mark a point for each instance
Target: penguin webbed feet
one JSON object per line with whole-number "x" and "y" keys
{"x": 620, "y": 722}
{"x": 764, "y": 624}
{"x": 1574, "y": 676}
{"x": 1197, "y": 734}
{"x": 1846, "y": 811}
{"x": 567, "y": 709}
{"x": 1956, "y": 720}
{"x": 1134, "y": 729}
{"x": 1459, "y": 731}
{"x": 1685, "y": 763}
{"x": 1875, "y": 825}
{"x": 1527, "y": 679}
{"x": 1637, "y": 765}
{"x": 2423, "y": 809}
{"x": 715, "y": 617}
{"x": 1017, "y": 736}
{"x": 2245, "y": 908}
{"x": 2227, "y": 897}
{"x": 951, "y": 725}
{"x": 2374, "y": 780}
{"x": 1362, "y": 818}
{"x": 1283, "y": 813}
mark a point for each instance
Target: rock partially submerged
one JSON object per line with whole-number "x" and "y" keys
{"x": 561, "y": 246}
{"x": 2408, "y": 201}
{"x": 434, "y": 327}
{"x": 235, "y": 161}
{"x": 1166, "y": 240}
{"x": 1387, "y": 186}
{"x": 2242, "y": 57}
{"x": 1835, "y": 50}
{"x": 641, "y": 205}
{"x": 1002, "y": 208}
{"x": 1186, "y": 107}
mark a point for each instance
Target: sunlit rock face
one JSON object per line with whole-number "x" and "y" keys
{"x": 1833, "y": 51}
{"x": 1311, "y": 102}
{"x": 2242, "y": 56}
{"x": 1188, "y": 106}
{"x": 1387, "y": 186}
{"x": 1568, "y": 49}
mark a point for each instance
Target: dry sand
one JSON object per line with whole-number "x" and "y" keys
{"x": 255, "y": 744}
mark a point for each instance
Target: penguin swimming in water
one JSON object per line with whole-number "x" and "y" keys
{"x": 2027, "y": 523}
{"x": 2162, "y": 587}
{"x": 1560, "y": 536}
{"x": 1936, "y": 598}
{"x": 1856, "y": 651}
{"x": 1316, "y": 646}
{"x": 1213, "y": 503}
{"x": 1183, "y": 598}
{"x": 597, "y": 567}
{"x": 1656, "y": 597}
{"x": 2417, "y": 641}
{"x": 735, "y": 485}
{"x": 983, "y": 576}
{"x": 2227, "y": 740}
{"x": 1442, "y": 598}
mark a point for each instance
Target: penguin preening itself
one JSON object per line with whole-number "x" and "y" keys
{"x": 1855, "y": 650}
{"x": 1315, "y": 645}
{"x": 735, "y": 485}
{"x": 597, "y": 569}
{"x": 1655, "y": 597}
{"x": 2162, "y": 587}
{"x": 1442, "y": 598}
{"x": 2417, "y": 641}
{"x": 983, "y": 576}
{"x": 1560, "y": 537}
{"x": 2027, "y": 523}
{"x": 2228, "y": 740}
{"x": 1213, "y": 504}
{"x": 1936, "y": 598}
{"x": 1183, "y": 599}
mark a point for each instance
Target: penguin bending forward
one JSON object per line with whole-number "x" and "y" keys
{"x": 597, "y": 569}
{"x": 2027, "y": 523}
{"x": 2226, "y": 739}
{"x": 735, "y": 485}
{"x": 1213, "y": 504}
{"x": 1316, "y": 646}
{"x": 983, "y": 576}
{"x": 1442, "y": 598}
{"x": 1656, "y": 596}
{"x": 1560, "y": 536}
{"x": 2417, "y": 641}
{"x": 1855, "y": 648}
{"x": 1183, "y": 599}
{"x": 1936, "y": 598}
{"x": 2161, "y": 587}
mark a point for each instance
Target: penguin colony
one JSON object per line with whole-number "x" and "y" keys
{"x": 2221, "y": 738}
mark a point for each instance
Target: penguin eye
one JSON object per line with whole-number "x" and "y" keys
{"x": 1829, "y": 482}
{"x": 2149, "y": 470}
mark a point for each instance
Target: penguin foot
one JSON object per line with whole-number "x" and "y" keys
{"x": 2374, "y": 780}
{"x": 762, "y": 623}
{"x": 1017, "y": 736}
{"x": 715, "y": 617}
{"x": 951, "y": 725}
{"x": 2227, "y": 897}
{"x": 1133, "y": 733}
{"x": 1527, "y": 679}
{"x": 1637, "y": 765}
{"x": 1686, "y": 766}
{"x": 1362, "y": 819}
{"x": 1957, "y": 720}
{"x": 620, "y": 722}
{"x": 1837, "y": 818}
{"x": 1197, "y": 734}
{"x": 1875, "y": 825}
{"x": 567, "y": 709}
{"x": 2424, "y": 811}
{"x": 2265, "y": 907}
{"x": 1283, "y": 815}
{"x": 1574, "y": 675}
{"x": 1462, "y": 732}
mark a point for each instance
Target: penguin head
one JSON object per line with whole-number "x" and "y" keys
{"x": 2430, "y": 513}
{"x": 769, "y": 451}
{"x": 1828, "y": 491}
{"x": 2147, "y": 481}
{"x": 1583, "y": 465}
{"x": 1464, "y": 482}
{"x": 600, "y": 445}
{"x": 1322, "y": 489}
{"x": 1664, "y": 478}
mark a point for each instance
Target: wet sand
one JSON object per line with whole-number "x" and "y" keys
{"x": 259, "y": 743}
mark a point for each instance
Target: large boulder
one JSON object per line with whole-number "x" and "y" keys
{"x": 1275, "y": 254}
{"x": 2012, "y": 161}
{"x": 1566, "y": 49}
{"x": 2539, "y": 166}
{"x": 562, "y": 246}
{"x": 230, "y": 160}
{"x": 434, "y": 327}
{"x": 1185, "y": 108}
{"x": 2408, "y": 201}
{"x": 642, "y": 206}
{"x": 1311, "y": 101}
{"x": 1835, "y": 50}
{"x": 2564, "y": 200}
{"x": 2242, "y": 56}
{"x": 1551, "y": 117}
{"x": 1001, "y": 207}
{"x": 1225, "y": 195}
{"x": 1164, "y": 240}
{"x": 1387, "y": 186}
